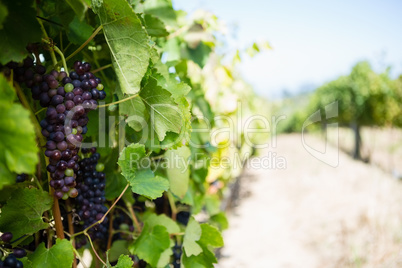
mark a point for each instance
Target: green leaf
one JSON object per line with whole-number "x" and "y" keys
{"x": 178, "y": 90}
{"x": 162, "y": 9}
{"x": 171, "y": 226}
{"x": 164, "y": 114}
{"x": 18, "y": 150}
{"x": 192, "y": 234}
{"x": 3, "y": 14}
{"x": 124, "y": 262}
{"x": 203, "y": 260}
{"x": 19, "y": 28}
{"x": 79, "y": 7}
{"x": 210, "y": 236}
{"x": 23, "y": 212}
{"x": 172, "y": 49}
{"x": 151, "y": 244}
{"x": 135, "y": 111}
{"x": 220, "y": 220}
{"x": 200, "y": 54}
{"x": 79, "y": 31}
{"x": 154, "y": 26}
{"x": 6, "y": 177}
{"x": 128, "y": 43}
{"x": 118, "y": 248}
{"x": 26, "y": 262}
{"x": 60, "y": 255}
{"x": 178, "y": 171}
{"x": 135, "y": 168}
{"x": 146, "y": 183}
{"x": 115, "y": 184}
{"x": 17, "y": 144}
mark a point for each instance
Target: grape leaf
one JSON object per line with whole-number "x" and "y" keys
{"x": 178, "y": 90}
{"x": 78, "y": 31}
{"x": 18, "y": 150}
{"x": 128, "y": 43}
{"x": 165, "y": 256}
{"x": 135, "y": 168}
{"x": 164, "y": 114}
{"x": 115, "y": 184}
{"x": 26, "y": 263}
{"x": 17, "y": 144}
{"x": 163, "y": 220}
{"x": 203, "y": 260}
{"x": 136, "y": 112}
{"x": 23, "y": 212}
{"x": 154, "y": 26}
{"x": 210, "y": 236}
{"x": 79, "y": 7}
{"x": 172, "y": 49}
{"x": 162, "y": 9}
{"x": 220, "y": 220}
{"x": 60, "y": 255}
{"x": 155, "y": 107}
{"x": 6, "y": 177}
{"x": 192, "y": 234}
{"x": 124, "y": 262}
{"x": 151, "y": 244}
{"x": 146, "y": 183}
{"x": 178, "y": 171}
{"x": 21, "y": 19}
{"x": 118, "y": 248}
{"x": 3, "y": 14}
{"x": 199, "y": 55}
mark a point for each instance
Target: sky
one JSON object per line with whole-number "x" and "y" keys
{"x": 313, "y": 41}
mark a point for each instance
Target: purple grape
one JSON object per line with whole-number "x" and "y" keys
{"x": 6, "y": 237}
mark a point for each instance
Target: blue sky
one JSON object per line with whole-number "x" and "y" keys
{"x": 313, "y": 41}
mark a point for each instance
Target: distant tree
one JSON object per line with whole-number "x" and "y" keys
{"x": 365, "y": 98}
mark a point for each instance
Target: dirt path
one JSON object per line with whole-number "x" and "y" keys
{"x": 313, "y": 215}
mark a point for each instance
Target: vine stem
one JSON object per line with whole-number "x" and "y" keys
{"x": 71, "y": 229}
{"x": 104, "y": 216}
{"x": 93, "y": 248}
{"x": 54, "y": 60}
{"x": 79, "y": 257}
{"x": 38, "y": 112}
{"x": 85, "y": 43}
{"x": 109, "y": 240}
{"x": 102, "y": 68}
{"x": 172, "y": 205}
{"x": 62, "y": 59}
{"x": 135, "y": 220}
{"x": 119, "y": 101}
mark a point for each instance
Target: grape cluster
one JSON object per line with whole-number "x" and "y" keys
{"x": 91, "y": 194}
{"x": 68, "y": 99}
{"x": 11, "y": 262}
{"x": 11, "y": 259}
{"x": 177, "y": 251}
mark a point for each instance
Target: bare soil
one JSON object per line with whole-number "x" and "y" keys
{"x": 313, "y": 215}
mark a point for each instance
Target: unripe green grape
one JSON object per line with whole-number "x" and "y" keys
{"x": 68, "y": 87}
{"x": 69, "y": 172}
{"x": 100, "y": 167}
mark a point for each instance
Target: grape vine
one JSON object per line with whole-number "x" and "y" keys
{"x": 117, "y": 164}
